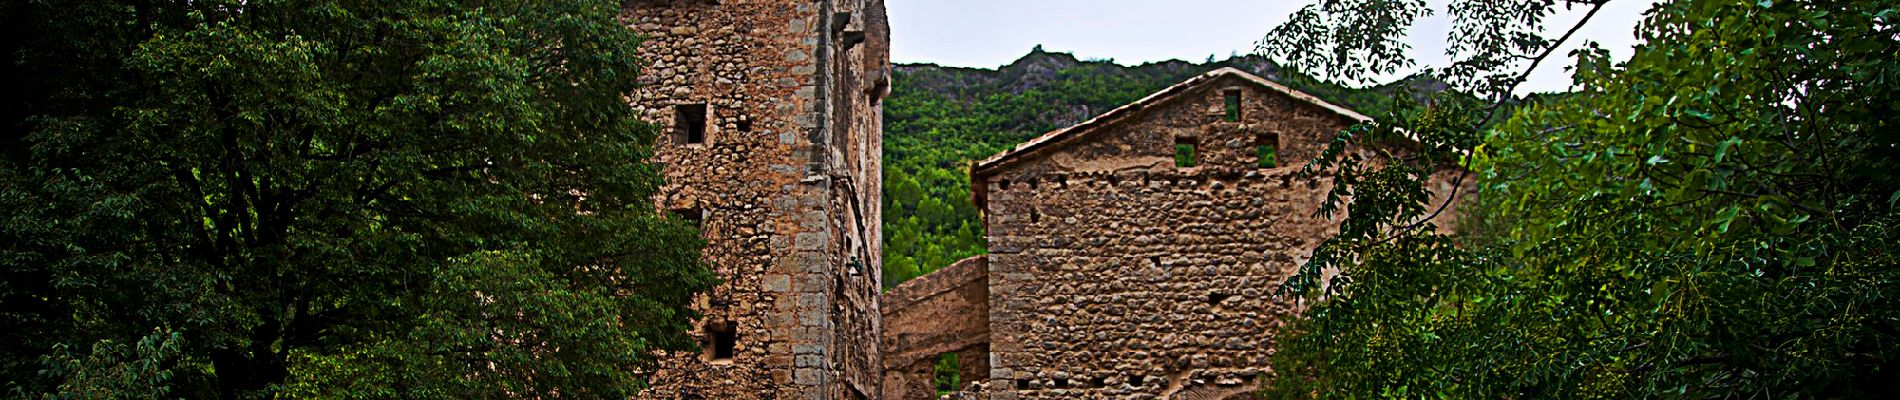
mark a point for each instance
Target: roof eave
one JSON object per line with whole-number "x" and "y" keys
{"x": 988, "y": 166}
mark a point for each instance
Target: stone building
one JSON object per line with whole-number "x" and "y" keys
{"x": 1132, "y": 255}
{"x": 774, "y": 146}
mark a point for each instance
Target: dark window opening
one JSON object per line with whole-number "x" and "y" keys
{"x": 1216, "y": 298}
{"x": 1099, "y": 382}
{"x": 1022, "y": 384}
{"x": 1136, "y": 380}
{"x": 1232, "y": 98}
{"x": 693, "y": 216}
{"x": 1004, "y": 184}
{"x": 745, "y": 125}
{"x": 690, "y": 123}
{"x": 946, "y": 379}
{"x": 1155, "y": 260}
{"x": 1062, "y": 383}
{"x": 1184, "y": 152}
{"x": 1266, "y": 150}
{"x": 725, "y": 340}
{"x": 1034, "y": 217}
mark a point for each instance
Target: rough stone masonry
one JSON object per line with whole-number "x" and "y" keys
{"x": 1115, "y": 270}
{"x": 773, "y": 118}
{"x": 1132, "y": 256}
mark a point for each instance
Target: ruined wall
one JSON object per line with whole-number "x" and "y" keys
{"x": 1115, "y": 274}
{"x": 778, "y": 175}
{"x": 946, "y": 311}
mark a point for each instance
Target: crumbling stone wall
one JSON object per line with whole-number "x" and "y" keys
{"x": 946, "y": 311}
{"x": 784, "y": 176}
{"x": 1116, "y": 274}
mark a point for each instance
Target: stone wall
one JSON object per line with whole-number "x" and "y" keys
{"x": 946, "y": 311}
{"x": 1116, "y": 274}
{"x": 783, "y": 176}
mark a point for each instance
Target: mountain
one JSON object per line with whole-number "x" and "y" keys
{"x": 938, "y": 119}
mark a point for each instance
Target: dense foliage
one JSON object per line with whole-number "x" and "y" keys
{"x": 1714, "y": 218}
{"x": 938, "y": 120}
{"x": 355, "y": 199}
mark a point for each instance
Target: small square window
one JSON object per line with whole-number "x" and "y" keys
{"x": 689, "y": 123}
{"x": 1185, "y": 150}
{"x": 1266, "y": 150}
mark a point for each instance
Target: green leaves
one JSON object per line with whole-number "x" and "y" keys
{"x": 338, "y": 199}
{"x": 1704, "y": 220}
{"x": 113, "y": 370}
{"x": 1358, "y": 40}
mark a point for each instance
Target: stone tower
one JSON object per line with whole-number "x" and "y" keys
{"x": 773, "y": 142}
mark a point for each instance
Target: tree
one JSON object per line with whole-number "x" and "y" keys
{"x": 1713, "y": 218}
{"x": 417, "y": 199}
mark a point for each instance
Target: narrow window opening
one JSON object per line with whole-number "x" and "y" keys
{"x": 1184, "y": 152}
{"x": 1232, "y": 99}
{"x": 725, "y": 340}
{"x": 1034, "y": 217}
{"x": 1266, "y": 149}
{"x": 1155, "y": 260}
{"x": 690, "y": 123}
{"x": 946, "y": 379}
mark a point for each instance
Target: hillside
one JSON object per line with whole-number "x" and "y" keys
{"x": 939, "y": 119}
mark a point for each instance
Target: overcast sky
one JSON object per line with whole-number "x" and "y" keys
{"x": 991, "y": 33}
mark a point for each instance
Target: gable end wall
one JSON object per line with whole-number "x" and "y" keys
{"x": 1115, "y": 273}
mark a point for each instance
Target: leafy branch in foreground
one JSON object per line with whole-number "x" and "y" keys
{"x": 322, "y": 199}
{"x": 1713, "y": 218}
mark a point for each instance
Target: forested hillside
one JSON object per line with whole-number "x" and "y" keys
{"x": 939, "y": 119}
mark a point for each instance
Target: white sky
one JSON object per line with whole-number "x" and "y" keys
{"x": 991, "y": 33}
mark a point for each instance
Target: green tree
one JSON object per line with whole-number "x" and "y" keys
{"x": 904, "y": 191}
{"x": 1714, "y": 218}
{"x": 382, "y": 199}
